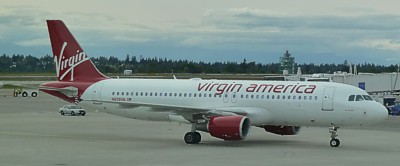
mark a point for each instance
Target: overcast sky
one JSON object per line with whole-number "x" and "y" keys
{"x": 314, "y": 31}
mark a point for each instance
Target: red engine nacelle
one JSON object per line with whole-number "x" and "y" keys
{"x": 282, "y": 130}
{"x": 229, "y": 127}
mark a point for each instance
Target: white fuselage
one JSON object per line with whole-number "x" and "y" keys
{"x": 265, "y": 102}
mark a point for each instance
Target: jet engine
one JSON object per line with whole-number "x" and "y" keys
{"x": 282, "y": 130}
{"x": 228, "y": 127}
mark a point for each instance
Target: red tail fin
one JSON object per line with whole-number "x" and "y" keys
{"x": 72, "y": 63}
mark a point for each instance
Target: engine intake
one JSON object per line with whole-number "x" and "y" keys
{"x": 282, "y": 130}
{"x": 229, "y": 127}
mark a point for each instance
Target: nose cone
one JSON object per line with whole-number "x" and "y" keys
{"x": 377, "y": 113}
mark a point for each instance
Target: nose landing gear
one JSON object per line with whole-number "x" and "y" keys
{"x": 334, "y": 142}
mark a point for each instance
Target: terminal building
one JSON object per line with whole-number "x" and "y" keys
{"x": 384, "y": 87}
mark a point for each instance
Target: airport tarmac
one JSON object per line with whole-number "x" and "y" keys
{"x": 32, "y": 133}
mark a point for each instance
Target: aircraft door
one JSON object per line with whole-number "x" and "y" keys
{"x": 97, "y": 93}
{"x": 327, "y": 101}
{"x": 234, "y": 97}
{"x": 226, "y": 97}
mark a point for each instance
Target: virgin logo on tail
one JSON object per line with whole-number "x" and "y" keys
{"x": 68, "y": 64}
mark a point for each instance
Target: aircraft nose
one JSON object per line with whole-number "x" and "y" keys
{"x": 380, "y": 113}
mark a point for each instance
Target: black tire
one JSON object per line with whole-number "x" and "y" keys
{"x": 190, "y": 138}
{"x": 72, "y": 113}
{"x": 34, "y": 94}
{"x": 334, "y": 143}
{"x": 197, "y": 137}
{"x": 24, "y": 94}
{"x": 62, "y": 112}
{"x": 83, "y": 113}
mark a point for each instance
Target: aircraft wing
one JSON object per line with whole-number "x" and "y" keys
{"x": 255, "y": 114}
{"x": 68, "y": 91}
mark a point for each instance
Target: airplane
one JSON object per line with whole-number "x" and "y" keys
{"x": 226, "y": 109}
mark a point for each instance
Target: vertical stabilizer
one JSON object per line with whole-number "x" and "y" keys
{"x": 72, "y": 63}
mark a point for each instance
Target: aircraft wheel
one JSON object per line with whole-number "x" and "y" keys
{"x": 334, "y": 142}
{"x": 192, "y": 138}
{"x": 197, "y": 137}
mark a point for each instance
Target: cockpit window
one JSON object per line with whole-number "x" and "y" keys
{"x": 359, "y": 98}
{"x": 366, "y": 97}
{"x": 351, "y": 97}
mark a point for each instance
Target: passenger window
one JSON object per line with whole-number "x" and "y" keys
{"x": 155, "y": 94}
{"x": 359, "y": 98}
{"x": 272, "y": 96}
{"x": 141, "y": 93}
{"x": 151, "y": 94}
{"x": 190, "y": 94}
{"x": 122, "y": 93}
{"x": 127, "y": 93}
{"x": 247, "y": 96}
{"x": 210, "y": 95}
{"x": 113, "y": 93}
{"x": 351, "y": 97}
{"x": 283, "y": 97}
{"x": 252, "y": 96}
{"x": 369, "y": 98}
{"x": 165, "y": 94}
{"x": 257, "y": 96}
{"x": 131, "y": 93}
{"x": 194, "y": 94}
{"x": 288, "y": 97}
{"x": 184, "y": 95}
{"x": 262, "y": 96}
{"x": 241, "y": 96}
{"x": 180, "y": 94}
{"x": 145, "y": 94}
{"x": 294, "y": 97}
{"x": 267, "y": 96}
{"x": 310, "y": 98}
{"x": 175, "y": 94}
{"x": 170, "y": 94}
{"x": 316, "y": 97}
{"x": 234, "y": 96}
{"x": 226, "y": 95}
{"x": 305, "y": 97}
{"x": 277, "y": 96}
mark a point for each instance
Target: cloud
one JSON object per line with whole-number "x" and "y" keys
{"x": 384, "y": 44}
{"x": 224, "y": 32}
{"x": 34, "y": 42}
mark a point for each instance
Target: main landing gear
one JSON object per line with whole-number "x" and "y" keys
{"x": 334, "y": 141}
{"x": 192, "y": 137}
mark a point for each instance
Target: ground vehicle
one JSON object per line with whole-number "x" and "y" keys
{"x": 395, "y": 109}
{"x": 72, "y": 110}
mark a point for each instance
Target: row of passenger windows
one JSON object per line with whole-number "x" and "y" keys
{"x": 252, "y": 96}
{"x": 360, "y": 98}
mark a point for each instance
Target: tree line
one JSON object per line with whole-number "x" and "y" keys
{"x": 20, "y": 63}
